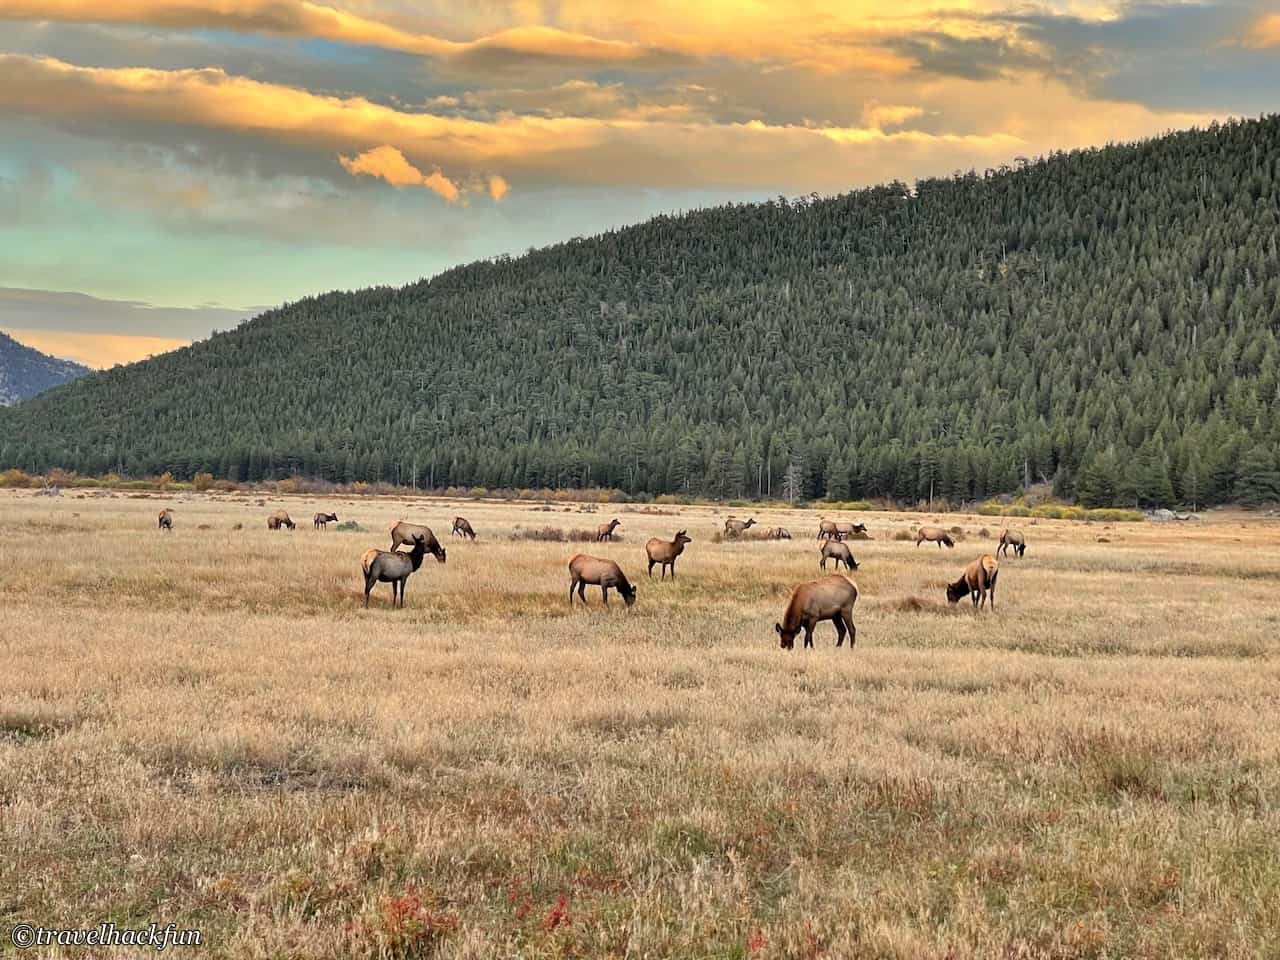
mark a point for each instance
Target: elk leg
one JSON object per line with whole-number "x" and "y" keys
{"x": 838, "y": 620}
{"x": 572, "y": 583}
{"x": 853, "y": 630}
{"x": 604, "y": 592}
{"x": 673, "y": 569}
{"x": 808, "y": 634}
{"x": 664, "y": 569}
{"x": 582, "y": 591}
{"x": 368, "y": 586}
{"x": 403, "y": 583}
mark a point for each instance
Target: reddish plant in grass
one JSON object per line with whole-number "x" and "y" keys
{"x": 756, "y": 943}
{"x": 558, "y": 915}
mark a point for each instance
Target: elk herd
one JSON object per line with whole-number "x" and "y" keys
{"x": 831, "y": 597}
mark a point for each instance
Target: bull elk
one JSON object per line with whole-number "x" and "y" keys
{"x": 977, "y": 581}
{"x": 829, "y": 598}
{"x": 585, "y": 570}
{"x": 665, "y": 552}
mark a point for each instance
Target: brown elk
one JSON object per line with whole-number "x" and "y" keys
{"x": 779, "y": 533}
{"x": 829, "y": 598}
{"x": 850, "y": 529}
{"x": 827, "y": 530}
{"x": 389, "y": 566}
{"x": 665, "y": 552}
{"x": 1011, "y": 538}
{"x": 402, "y": 532}
{"x": 322, "y": 520}
{"x": 734, "y": 528}
{"x": 279, "y": 519}
{"x": 934, "y": 535}
{"x": 585, "y": 570}
{"x": 605, "y": 530}
{"x": 977, "y": 581}
{"x": 839, "y": 552}
{"x": 166, "y": 519}
{"x": 462, "y": 528}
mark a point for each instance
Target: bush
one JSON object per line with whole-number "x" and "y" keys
{"x": 903, "y": 535}
{"x": 15, "y": 478}
{"x": 1115, "y": 515}
{"x": 557, "y": 535}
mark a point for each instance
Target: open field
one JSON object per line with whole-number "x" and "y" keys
{"x": 204, "y": 727}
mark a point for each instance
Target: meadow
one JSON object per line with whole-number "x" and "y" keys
{"x": 204, "y": 727}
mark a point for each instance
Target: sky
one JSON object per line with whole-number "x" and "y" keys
{"x": 169, "y": 167}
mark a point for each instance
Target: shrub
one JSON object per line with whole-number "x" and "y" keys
{"x": 557, "y": 535}
{"x": 903, "y": 535}
{"x": 14, "y": 479}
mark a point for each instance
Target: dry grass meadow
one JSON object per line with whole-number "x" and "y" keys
{"x": 204, "y": 727}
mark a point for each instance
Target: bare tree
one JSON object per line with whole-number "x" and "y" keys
{"x": 793, "y": 482}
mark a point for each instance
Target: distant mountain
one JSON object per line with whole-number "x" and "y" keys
{"x": 25, "y": 372}
{"x": 1107, "y": 319}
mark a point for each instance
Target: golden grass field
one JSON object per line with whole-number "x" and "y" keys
{"x": 204, "y": 727}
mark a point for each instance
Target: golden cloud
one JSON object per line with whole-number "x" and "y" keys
{"x": 498, "y": 187}
{"x": 389, "y": 164}
{"x": 1265, "y": 33}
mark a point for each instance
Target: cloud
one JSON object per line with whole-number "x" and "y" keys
{"x": 97, "y": 350}
{"x": 1265, "y": 33}
{"x": 881, "y": 115}
{"x": 300, "y": 18}
{"x": 498, "y": 187}
{"x": 75, "y": 314}
{"x": 389, "y": 164}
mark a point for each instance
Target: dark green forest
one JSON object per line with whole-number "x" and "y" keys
{"x": 1105, "y": 320}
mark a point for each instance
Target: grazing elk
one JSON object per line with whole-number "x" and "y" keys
{"x": 462, "y": 528}
{"x": 166, "y": 519}
{"x": 605, "y": 530}
{"x": 279, "y": 519}
{"x": 585, "y": 570}
{"x": 402, "y": 532}
{"x": 322, "y": 520}
{"x": 1011, "y": 538}
{"x": 827, "y": 530}
{"x": 977, "y": 581}
{"x": 839, "y": 552}
{"x": 830, "y": 598}
{"x": 389, "y": 566}
{"x": 934, "y": 535}
{"x": 665, "y": 552}
{"x": 734, "y": 528}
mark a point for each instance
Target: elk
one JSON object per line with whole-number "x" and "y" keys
{"x": 605, "y": 530}
{"x": 934, "y": 535}
{"x": 735, "y": 528}
{"x": 322, "y": 520}
{"x": 827, "y": 529}
{"x": 665, "y": 552}
{"x": 585, "y": 570}
{"x": 830, "y": 598}
{"x": 849, "y": 529}
{"x": 779, "y": 533}
{"x": 839, "y": 552}
{"x": 402, "y": 532}
{"x": 1011, "y": 538}
{"x": 977, "y": 581}
{"x": 279, "y": 519}
{"x": 389, "y": 566}
{"x": 462, "y": 528}
{"x": 166, "y": 519}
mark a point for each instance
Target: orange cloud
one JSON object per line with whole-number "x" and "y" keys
{"x": 388, "y": 163}
{"x": 498, "y": 187}
{"x": 97, "y": 350}
{"x": 1265, "y": 33}
{"x": 305, "y": 19}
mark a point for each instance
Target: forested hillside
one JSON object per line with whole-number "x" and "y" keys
{"x": 1106, "y": 319}
{"x": 25, "y": 372}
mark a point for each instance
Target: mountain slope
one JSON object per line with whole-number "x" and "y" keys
{"x": 25, "y": 372}
{"x": 1106, "y": 318}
